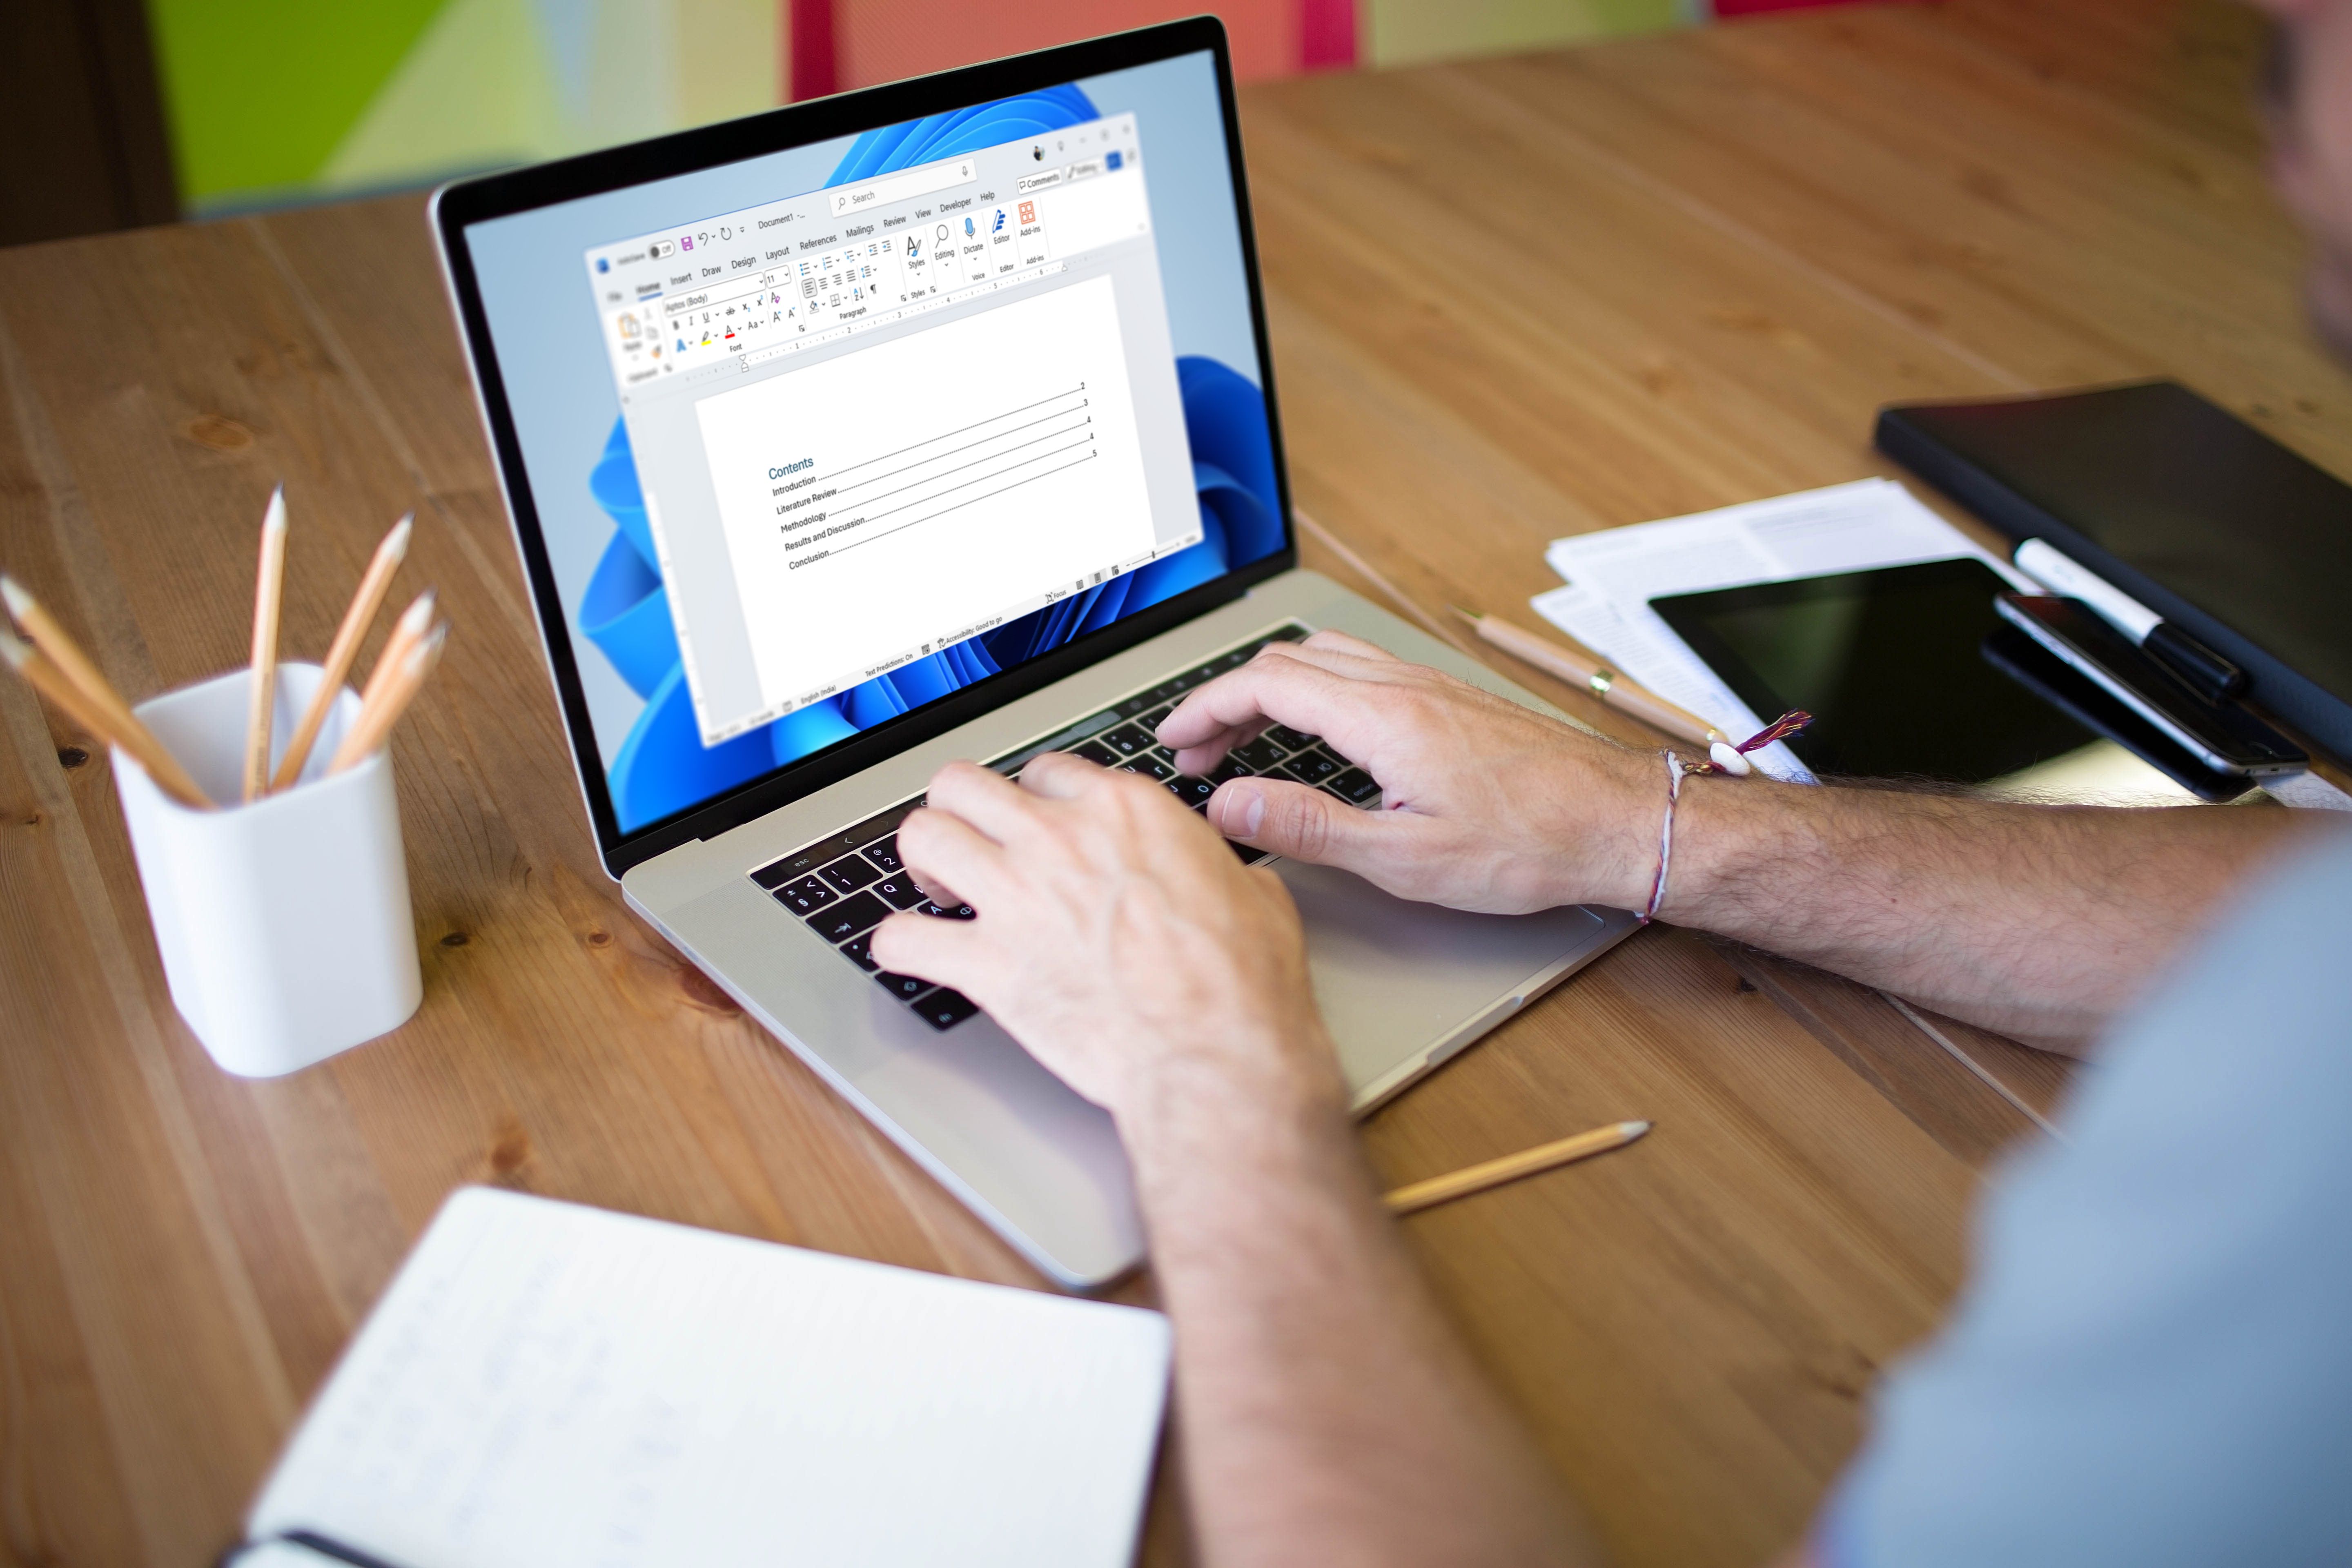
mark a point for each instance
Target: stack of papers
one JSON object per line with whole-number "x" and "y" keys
{"x": 1610, "y": 576}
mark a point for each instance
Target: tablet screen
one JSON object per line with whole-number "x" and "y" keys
{"x": 1890, "y": 664}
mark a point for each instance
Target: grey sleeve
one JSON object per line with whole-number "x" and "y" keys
{"x": 2152, "y": 1364}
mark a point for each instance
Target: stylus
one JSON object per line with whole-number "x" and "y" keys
{"x": 2206, "y": 671}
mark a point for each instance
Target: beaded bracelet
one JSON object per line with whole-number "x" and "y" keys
{"x": 1724, "y": 759}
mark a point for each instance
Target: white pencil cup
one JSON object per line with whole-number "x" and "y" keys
{"x": 284, "y": 925}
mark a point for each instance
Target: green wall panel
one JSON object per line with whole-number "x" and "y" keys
{"x": 260, "y": 92}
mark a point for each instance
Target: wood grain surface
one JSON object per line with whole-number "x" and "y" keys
{"x": 1509, "y": 299}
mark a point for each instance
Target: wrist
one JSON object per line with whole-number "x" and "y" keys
{"x": 1606, "y": 811}
{"x": 1253, "y": 1091}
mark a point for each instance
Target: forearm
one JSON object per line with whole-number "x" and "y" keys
{"x": 1326, "y": 1412}
{"x": 2039, "y": 922}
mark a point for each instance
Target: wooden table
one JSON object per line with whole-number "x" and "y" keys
{"x": 1510, "y": 301}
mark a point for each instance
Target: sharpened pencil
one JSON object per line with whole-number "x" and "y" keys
{"x": 1511, "y": 1167}
{"x": 268, "y": 595}
{"x": 406, "y": 632}
{"x": 123, "y": 726}
{"x": 346, "y": 649}
{"x": 52, "y": 683}
{"x": 376, "y": 719}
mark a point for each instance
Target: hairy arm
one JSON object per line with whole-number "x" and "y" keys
{"x": 1325, "y": 1411}
{"x": 2039, "y": 921}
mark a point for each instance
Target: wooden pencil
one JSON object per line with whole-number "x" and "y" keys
{"x": 346, "y": 649}
{"x": 1511, "y": 1167}
{"x": 124, "y": 728}
{"x": 51, "y": 682}
{"x": 1607, "y": 685}
{"x": 376, "y": 718}
{"x": 269, "y": 594}
{"x": 406, "y": 632}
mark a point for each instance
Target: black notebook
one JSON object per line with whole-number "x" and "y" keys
{"x": 2179, "y": 503}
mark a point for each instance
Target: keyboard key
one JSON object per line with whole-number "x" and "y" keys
{"x": 806, "y": 896}
{"x": 793, "y": 866}
{"x": 1289, "y": 738}
{"x": 1259, "y": 754}
{"x": 1151, "y": 720}
{"x": 850, "y": 872}
{"x": 1192, "y": 791}
{"x": 885, "y": 854}
{"x": 859, "y": 951}
{"x": 1355, "y": 786}
{"x": 855, "y": 915}
{"x": 1129, "y": 740}
{"x": 944, "y": 1009}
{"x": 1095, "y": 752}
{"x": 1205, "y": 674}
{"x": 1231, "y": 768}
{"x": 905, "y": 987}
{"x": 1142, "y": 703}
{"x": 1151, "y": 766}
{"x": 899, "y": 891}
{"x": 960, "y": 911}
{"x": 1313, "y": 766}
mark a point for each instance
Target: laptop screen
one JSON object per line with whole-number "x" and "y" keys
{"x": 817, "y": 439}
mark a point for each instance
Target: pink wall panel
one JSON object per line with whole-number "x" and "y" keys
{"x": 880, "y": 40}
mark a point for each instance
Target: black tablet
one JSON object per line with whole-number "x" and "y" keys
{"x": 1889, "y": 662}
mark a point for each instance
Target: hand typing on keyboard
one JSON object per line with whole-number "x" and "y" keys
{"x": 1117, "y": 937}
{"x": 1489, "y": 806}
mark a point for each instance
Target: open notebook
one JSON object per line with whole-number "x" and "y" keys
{"x": 544, "y": 1383}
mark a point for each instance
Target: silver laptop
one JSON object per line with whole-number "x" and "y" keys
{"x": 928, "y": 422}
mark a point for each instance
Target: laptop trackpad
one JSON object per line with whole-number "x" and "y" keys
{"x": 1396, "y": 978}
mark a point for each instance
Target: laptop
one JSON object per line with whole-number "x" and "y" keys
{"x": 926, "y": 422}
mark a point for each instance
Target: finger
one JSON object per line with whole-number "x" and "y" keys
{"x": 950, "y": 859}
{"x": 1303, "y": 691}
{"x": 984, "y": 798}
{"x": 946, "y": 952}
{"x": 1057, "y": 776}
{"x": 1342, "y": 642}
{"x": 1303, "y": 823}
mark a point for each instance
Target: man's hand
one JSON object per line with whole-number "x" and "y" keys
{"x": 1489, "y": 805}
{"x": 1117, "y": 937}
{"x": 1328, "y": 1412}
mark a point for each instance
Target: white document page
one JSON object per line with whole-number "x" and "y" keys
{"x": 548, "y": 1384}
{"x": 1611, "y": 576}
{"x": 919, "y": 491}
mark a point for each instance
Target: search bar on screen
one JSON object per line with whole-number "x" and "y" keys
{"x": 905, "y": 187}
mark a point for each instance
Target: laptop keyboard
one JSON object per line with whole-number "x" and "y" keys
{"x": 845, "y": 886}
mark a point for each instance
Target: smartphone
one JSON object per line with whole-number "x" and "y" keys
{"x": 2223, "y": 736}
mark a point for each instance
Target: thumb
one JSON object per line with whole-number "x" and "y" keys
{"x": 1303, "y": 823}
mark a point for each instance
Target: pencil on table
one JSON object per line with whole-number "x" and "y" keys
{"x": 1607, "y": 685}
{"x": 369, "y": 598}
{"x": 1511, "y": 1167}
{"x": 51, "y": 682}
{"x": 268, "y": 594}
{"x": 122, "y": 726}
{"x": 374, "y": 727}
